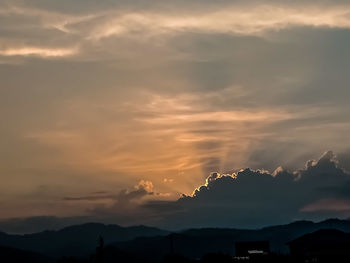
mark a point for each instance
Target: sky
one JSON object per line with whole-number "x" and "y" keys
{"x": 174, "y": 113}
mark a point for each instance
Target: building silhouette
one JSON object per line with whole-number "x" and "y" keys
{"x": 325, "y": 245}
{"x": 252, "y": 249}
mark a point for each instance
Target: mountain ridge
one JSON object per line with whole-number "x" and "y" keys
{"x": 76, "y": 240}
{"x": 81, "y": 240}
{"x": 194, "y": 243}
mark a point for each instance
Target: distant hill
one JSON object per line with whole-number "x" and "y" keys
{"x": 79, "y": 240}
{"x": 194, "y": 243}
{"x": 37, "y": 224}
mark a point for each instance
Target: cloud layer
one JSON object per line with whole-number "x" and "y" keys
{"x": 97, "y": 96}
{"x": 246, "y": 199}
{"x": 252, "y": 198}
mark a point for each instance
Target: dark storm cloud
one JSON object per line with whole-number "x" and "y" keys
{"x": 253, "y": 198}
{"x": 249, "y": 198}
{"x": 344, "y": 160}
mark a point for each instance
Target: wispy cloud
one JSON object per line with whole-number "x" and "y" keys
{"x": 179, "y": 136}
{"x": 239, "y": 19}
{"x": 38, "y": 51}
{"x": 328, "y": 205}
{"x": 228, "y": 20}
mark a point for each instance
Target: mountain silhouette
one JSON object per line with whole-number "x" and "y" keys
{"x": 195, "y": 243}
{"x": 148, "y": 244}
{"x": 79, "y": 240}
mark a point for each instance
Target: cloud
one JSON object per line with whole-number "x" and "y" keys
{"x": 146, "y": 185}
{"x": 254, "y": 198}
{"x": 47, "y": 24}
{"x": 245, "y": 199}
{"x": 328, "y": 205}
{"x": 168, "y": 180}
{"x": 142, "y": 189}
{"x": 248, "y": 198}
{"x": 230, "y": 19}
{"x": 123, "y": 207}
{"x": 41, "y": 52}
{"x": 220, "y": 85}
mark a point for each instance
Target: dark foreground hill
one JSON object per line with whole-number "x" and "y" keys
{"x": 21, "y": 256}
{"x": 195, "y": 243}
{"x": 77, "y": 240}
{"x": 148, "y": 244}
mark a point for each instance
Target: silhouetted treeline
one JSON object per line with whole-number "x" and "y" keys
{"x": 115, "y": 255}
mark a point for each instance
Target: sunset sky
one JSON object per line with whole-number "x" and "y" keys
{"x": 118, "y": 110}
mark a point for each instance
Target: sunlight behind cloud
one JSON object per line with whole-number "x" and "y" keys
{"x": 176, "y": 136}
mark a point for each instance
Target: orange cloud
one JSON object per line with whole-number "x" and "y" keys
{"x": 37, "y": 51}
